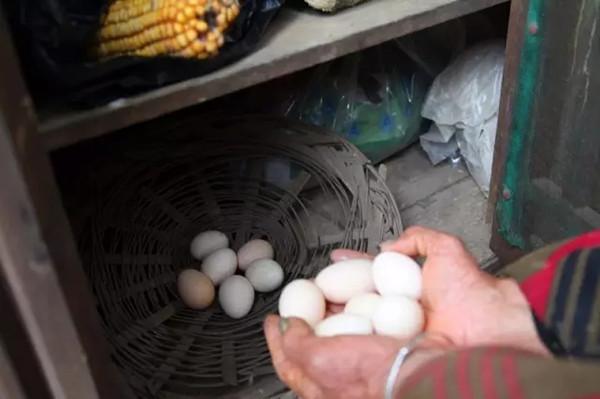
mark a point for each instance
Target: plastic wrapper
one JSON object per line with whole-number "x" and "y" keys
{"x": 54, "y": 38}
{"x": 437, "y": 147}
{"x": 372, "y": 98}
{"x": 463, "y": 103}
{"x": 477, "y": 148}
{"x": 332, "y": 5}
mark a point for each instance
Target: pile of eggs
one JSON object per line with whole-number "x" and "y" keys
{"x": 218, "y": 269}
{"x": 379, "y": 296}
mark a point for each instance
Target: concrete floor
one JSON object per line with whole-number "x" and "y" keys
{"x": 444, "y": 197}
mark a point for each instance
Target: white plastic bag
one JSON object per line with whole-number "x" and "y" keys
{"x": 477, "y": 148}
{"x": 466, "y": 97}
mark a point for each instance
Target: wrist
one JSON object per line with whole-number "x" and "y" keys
{"x": 523, "y": 333}
{"x": 412, "y": 357}
{"x": 417, "y": 359}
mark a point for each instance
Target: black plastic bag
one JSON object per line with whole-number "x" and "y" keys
{"x": 54, "y": 37}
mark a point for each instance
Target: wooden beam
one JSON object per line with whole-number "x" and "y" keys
{"x": 516, "y": 34}
{"x": 297, "y": 40}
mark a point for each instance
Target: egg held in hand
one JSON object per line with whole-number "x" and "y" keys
{"x": 344, "y": 324}
{"x": 265, "y": 275}
{"x": 208, "y": 242}
{"x": 219, "y": 265}
{"x": 254, "y": 250}
{"x": 236, "y": 296}
{"x": 398, "y": 316}
{"x": 304, "y": 300}
{"x": 397, "y": 274}
{"x": 363, "y": 305}
{"x": 195, "y": 289}
{"x": 344, "y": 280}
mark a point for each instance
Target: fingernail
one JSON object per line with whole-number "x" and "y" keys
{"x": 283, "y": 325}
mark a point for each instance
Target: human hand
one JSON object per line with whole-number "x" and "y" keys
{"x": 461, "y": 302}
{"x": 314, "y": 367}
{"x": 469, "y": 306}
{"x": 338, "y": 367}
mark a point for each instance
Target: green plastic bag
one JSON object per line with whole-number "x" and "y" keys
{"x": 372, "y": 98}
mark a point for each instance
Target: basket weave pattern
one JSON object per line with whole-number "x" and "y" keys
{"x": 304, "y": 191}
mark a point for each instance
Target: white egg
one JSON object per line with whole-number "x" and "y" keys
{"x": 344, "y": 280}
{"x": 304, "y": 300}
{"x": 254, "y": 250}
{"x": 208, "y": 242}
{"x": 219, "y": 265}
{"x": 363, "y": 305}
{"x": 195, "y": 289}
{"x": 265, "y": 275}
{"x": 397, "y": 274}
{"x": 398, "y": 316}
{"x": 236, "y": 296}
{"x": 344, "y": 324}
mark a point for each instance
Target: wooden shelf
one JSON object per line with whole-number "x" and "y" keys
{"x": 295, "y": 41}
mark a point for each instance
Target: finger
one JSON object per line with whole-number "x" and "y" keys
{"x": 334, "y": 308}
{"x": 287, "y": 370}
{"x": 421, "y": 241}
{"x": 274, "y": 342}
{"x": 415, "y": 241}
{"x": 339, "y": 255}
{"x": 295, "y": 332}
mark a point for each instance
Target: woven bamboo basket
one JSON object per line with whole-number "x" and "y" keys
{"x": 304, "y": 190}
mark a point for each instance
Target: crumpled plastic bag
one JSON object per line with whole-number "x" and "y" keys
{"x": 437, "y": 146}
{"x": 372, "y": 98}
{"x": 463, "y": 102}
{"x": 477, "y": 148}
{"x": 332, "y": 5}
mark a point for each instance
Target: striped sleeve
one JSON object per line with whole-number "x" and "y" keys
{"x": 498, "y": 373}
{"x": 565, "y": 295}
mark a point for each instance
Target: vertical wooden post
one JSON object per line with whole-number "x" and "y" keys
{"x": 39, "y": 263}
{"x": 514, "y": 41}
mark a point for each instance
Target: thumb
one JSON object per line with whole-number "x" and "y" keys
{"x": 423, "y": 242}
{"x": 285, "y": 336}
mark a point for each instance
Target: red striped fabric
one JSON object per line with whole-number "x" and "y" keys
{"x": 488, "y": 380}
{"x": 511, "y": 377}
{"x": 439, "y": 378}
{"x": 537, "y": 288}
{"x": 463, "y": 377}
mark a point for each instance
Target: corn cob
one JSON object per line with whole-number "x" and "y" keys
{"x": 148, "y": 28}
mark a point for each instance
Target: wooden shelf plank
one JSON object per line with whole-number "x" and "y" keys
{"x": 297, "y": 40}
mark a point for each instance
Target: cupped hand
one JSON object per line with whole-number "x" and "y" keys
{"x": 338, "y": 367}
{"x": 467, "y": 305}
{"x": 461, "y": 302}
